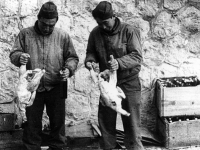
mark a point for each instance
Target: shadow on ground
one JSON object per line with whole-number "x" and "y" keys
{"x": 93, "y": 144}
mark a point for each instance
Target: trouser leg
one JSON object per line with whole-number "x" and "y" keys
{"x": 55, "y": 106}
{"x": 131, "y": 124}
{"x": 33, "y": 128}
{"x": 107, "y": 123}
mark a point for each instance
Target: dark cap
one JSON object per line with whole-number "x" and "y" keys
{"x": 48, "y": 11}
{"x": 103, "y": 10}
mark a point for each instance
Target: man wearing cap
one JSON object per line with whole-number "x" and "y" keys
{"x": 46, "y": 47}
{"x": 113, "y": 37}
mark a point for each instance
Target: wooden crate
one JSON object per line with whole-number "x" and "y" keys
{"x": 179, "y": 134}
{"x": 177, "y": 101}
{"x": 7, "y": 107}
{"x": 7, "y": 122}
{"x": 11, "y": 140}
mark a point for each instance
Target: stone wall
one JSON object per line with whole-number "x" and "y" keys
{"x": 170, "y": 39}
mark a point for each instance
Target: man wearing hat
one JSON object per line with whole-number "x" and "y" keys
{"x": 113, "y": 37}
{"x": 46, "y": 47}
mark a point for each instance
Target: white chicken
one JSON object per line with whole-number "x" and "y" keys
{"x": 111, "y": 94}
{"x": 26, "y": 89}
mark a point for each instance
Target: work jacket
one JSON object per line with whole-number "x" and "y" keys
{"x": 123, "y": 42}
{"x": 52, "y": 52}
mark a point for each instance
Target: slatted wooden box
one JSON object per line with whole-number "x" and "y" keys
{"x": 179, "y": 133}
{"x": 7, "y": 116}
{"x": 7, "y": 107}
{"x": 177, "y": 101}
{"x": 7, "y": 122}
{"x": 11, "y": 140}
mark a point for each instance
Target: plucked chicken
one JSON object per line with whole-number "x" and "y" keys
{"x": 29, "y": 81}
{"x": 111, "y": 94}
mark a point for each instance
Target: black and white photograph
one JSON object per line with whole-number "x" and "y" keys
{"x": 99, "y": 74}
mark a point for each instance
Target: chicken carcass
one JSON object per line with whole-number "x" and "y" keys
{"x": 111, "y": 94}
{"x": 26, "y": 89}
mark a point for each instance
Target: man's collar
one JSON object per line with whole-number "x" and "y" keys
{"x": 115, "y": 29}
{"x": 37, "y": 30}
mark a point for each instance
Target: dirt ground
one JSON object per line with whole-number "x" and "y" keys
{"x": 92, "y": 144}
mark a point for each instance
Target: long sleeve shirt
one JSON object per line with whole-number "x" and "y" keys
{"x": 52, "y": 53}
{"x": 123, "y": 43}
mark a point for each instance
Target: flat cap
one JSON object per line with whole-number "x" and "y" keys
{"x": 48, "y": 11}
{"x": 103, "y": 10}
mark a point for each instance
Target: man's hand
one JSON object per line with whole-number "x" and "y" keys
{"x": 113, "y": 64}
{"x": 64, "y": 74}
{"x": 24, "y": 58}
{"x": 89, "y": 65}
{"x": 92, "y": 65}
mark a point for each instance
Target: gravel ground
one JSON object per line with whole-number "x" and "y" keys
{"x": 93, "y": 144}
{"x": 146, "y": 148}
{"x": 161, "y": 148}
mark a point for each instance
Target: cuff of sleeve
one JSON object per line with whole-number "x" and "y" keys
{"x": 89, "y": 61}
